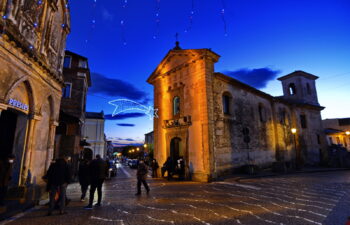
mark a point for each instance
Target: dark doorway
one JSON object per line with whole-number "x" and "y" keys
{"x": 8, "y": 122}
{"x": 13, "y": 129}
{"x": 175, "y": 148}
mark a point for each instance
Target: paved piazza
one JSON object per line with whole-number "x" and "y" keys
{"x": 314, "y": 198}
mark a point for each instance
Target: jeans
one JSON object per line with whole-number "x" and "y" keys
{"x": 84, "y": 188}
{"x": 141, "y": 179}
{"x": 62, "y": 198}
{"x": 96, "y": 184}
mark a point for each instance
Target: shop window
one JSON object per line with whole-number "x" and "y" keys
{"x": 176, "y": 105}
{"x": 338, "y": 140}
{"x": 303, "y": 122}
{"x": 67, "y": 90}
{"x": 67, "y": 62}
{"x": 330, "y": 140}
{"x": 292, "y": 89}
{"x": 226, "y": 103}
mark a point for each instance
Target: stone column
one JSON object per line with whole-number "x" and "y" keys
{"x": 27, "y": 162}
{"x": 50, "y": 144}
{"x": 2, "y": 107}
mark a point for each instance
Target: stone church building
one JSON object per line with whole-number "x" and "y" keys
{"x": 218, "y": 124}
{"x": 32, "y": 42}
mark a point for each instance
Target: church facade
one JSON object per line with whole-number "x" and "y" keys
{"x": 218, "y": 124}
{"x": 32, "y": 42}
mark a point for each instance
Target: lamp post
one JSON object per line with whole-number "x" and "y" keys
{"x": 294, "y": 131}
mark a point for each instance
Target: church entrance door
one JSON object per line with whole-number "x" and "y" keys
{"x": 175, "y": 149}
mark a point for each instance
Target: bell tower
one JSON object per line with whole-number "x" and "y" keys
{"x": 300, "y": 87}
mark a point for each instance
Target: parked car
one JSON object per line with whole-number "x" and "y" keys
{"x": 133, "y": 163}
{"x": 112, "y": 170}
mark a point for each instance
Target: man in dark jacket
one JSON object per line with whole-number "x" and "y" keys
{"x": 84, "y": 177}
{"x": 58, "y": 177}
{"x": 6, "y": 165}
{"x": 98, "y": 172}
{"x": 142, "y": 171}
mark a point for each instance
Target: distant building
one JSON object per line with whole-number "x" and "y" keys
{"x": 149, "y": 141}
{"x": 338, "y": 131}
{"x": 76, "y": 75}
{"x": 93, "y": 131}
{"x": 110, "y": 149}
{"x": 218, "y": 124}
{"x": 32, "y": 43}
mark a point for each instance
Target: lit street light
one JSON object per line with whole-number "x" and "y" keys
{"x": 294, "y": 131}
{"x": 347, "y": 132}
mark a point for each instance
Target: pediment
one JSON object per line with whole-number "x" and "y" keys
{"x": 178, "y": 58}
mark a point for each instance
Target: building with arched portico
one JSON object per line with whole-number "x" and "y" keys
{"x": 31, "y": 55}
{"x": 218, "y": 124}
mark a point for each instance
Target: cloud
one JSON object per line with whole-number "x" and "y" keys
{"x": 115, "y": 88}
{"x": 257, "y": 78}
{"x": 125, "y": 124}
{"x": 119, "y": 142}
{"x": 124, "y": 116}
{"x": 107, "y": 15}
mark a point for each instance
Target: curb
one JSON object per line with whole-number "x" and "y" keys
{"x": 289, "y": 173}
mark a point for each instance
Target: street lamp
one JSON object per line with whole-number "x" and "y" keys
{"x": 347, "y": 132}
{"x": 294, "y": 131}
{"x": 137, "y": 149}
{"x": 145, "y": 145}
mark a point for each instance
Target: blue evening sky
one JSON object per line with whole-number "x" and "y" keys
{"x": 278, "y": 35}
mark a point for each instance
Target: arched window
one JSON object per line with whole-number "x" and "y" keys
{"x": 308, "y": 89}
{"x": 176, "y": 105}
{"x": 262, "y": 113}
{"x": 226, "y": 100}
{"x": 292, "y": 89}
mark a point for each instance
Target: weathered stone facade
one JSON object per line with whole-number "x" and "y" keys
{"x": 31, "y": 54}
{"x": 252, "y": 128}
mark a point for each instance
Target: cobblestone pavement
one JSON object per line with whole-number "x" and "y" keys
{"x": 319, "y": 198}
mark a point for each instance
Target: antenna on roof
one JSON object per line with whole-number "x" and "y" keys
{"x": 177, "y": 43}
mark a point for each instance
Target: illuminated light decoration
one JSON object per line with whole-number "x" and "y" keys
{"x": 223, "y": 17}
{"x": 157, "y": 19}
{"x": 18, "y": 104}
{"x": 126, "y": 105}
{"x": 190, "y": 18}
{"x": 8, "y": 8}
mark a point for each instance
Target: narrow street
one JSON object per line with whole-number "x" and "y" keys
{"x": 295, "y": 199}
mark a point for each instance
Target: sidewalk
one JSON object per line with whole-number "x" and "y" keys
{"x": 269, "y": 173}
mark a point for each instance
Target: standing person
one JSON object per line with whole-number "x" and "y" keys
{"x": 98, "y": 172}
{"x": 5, "y": 176}
{"x": 181, "y": 168}
{"x": 155, "y": 167}
{"x": 58, "y": 177}
{"x": 84, "y": 177}
{"x": 141, "y": 174}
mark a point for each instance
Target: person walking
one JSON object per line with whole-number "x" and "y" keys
{"x": 84, "y": 177}
{"x": 141, "y": 174}
{"x": 155, "y": 167}
{"x": 6, "y": 165}
{"x": 58, "y": 177}
{"x": 98, "y": 172}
